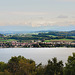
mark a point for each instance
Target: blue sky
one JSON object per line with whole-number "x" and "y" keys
{"x": 30, "y": 15}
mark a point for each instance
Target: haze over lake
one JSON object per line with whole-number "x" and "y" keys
{"x": 37, "y": 54}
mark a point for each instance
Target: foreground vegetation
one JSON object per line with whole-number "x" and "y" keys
{"x": 22, "y": 66}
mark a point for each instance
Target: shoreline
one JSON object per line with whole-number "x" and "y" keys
{"x": 38, "y": 47}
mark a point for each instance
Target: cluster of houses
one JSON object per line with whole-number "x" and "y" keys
{"x": 38, "y": 43}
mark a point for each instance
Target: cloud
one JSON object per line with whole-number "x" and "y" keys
{"x": 65, "y": 23}
{"x": 62, "y": 16}
{"x": 33, "y": 23}
{"x": 38, "y": 23}
{"x": 23, "y": 13}
{"x": 34, "y": 19}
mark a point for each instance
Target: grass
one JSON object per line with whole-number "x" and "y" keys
{"x": 11, "y": 40}
{"x": 2, "y": 40}
{"x": 73, "y": 36}
{"x": 52, "y": 35}
{"x": 59, "y": 40}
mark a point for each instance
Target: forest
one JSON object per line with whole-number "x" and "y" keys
{"x": 22, "y": 66}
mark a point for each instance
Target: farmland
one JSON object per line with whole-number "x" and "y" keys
{"x": 41, "y": 39}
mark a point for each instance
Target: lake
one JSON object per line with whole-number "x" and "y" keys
{"x": 37, "y": 54}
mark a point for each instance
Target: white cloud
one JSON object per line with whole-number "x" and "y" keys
{"x": 39, "y": 23}
{"x": 23, "y": 13}
{"x": 35, "y": 19}
{"x": 62, "y": 16}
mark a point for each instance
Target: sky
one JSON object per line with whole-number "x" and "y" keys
{"x": 34, "y": 15}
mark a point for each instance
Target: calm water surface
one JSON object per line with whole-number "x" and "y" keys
{"x": 37, "y": 54}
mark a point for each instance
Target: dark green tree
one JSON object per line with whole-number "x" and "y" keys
{"x": 3, "y": 66}
{"x": 54, "y": 67}
{"x": 70, "y": 66}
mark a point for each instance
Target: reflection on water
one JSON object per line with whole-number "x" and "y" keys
{"x": 37, "y": 54}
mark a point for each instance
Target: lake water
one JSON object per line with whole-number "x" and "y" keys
{"x": 37, "y": 54}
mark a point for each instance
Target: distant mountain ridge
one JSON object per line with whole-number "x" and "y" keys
{"x": 41, "y": 31}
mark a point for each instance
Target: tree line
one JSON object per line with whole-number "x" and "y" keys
{"x": 40, "y": 37}
{"x": 43, "y": 35}
{"x": 22, "y": 66}
{"x": 59, "y": 33}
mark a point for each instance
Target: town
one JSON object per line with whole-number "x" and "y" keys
{"x": 37, "y": 44}
{"x": 38, "y": 40}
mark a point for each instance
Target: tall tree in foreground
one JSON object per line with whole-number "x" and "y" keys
{"x": 54, "y": 67}
{"x": 21, "y": 66}
{"x": 70, "y": 66}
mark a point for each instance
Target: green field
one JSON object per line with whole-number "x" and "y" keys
{"x": 59, "y": 40}
{"x": 2, "y": 40}
{"x": 73, "y": 36}
{"x": 52, "y": 35}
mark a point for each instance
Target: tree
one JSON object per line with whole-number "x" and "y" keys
{"x": 54, "y": 67}
{"x": 40, "y": 69}
{"x": 3, "y": 66}
{"x": 26, "y": 67}
{"x": 21, "y": 66}
{"x": 70, "y": 66}
{"x": 13, "y": 65}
